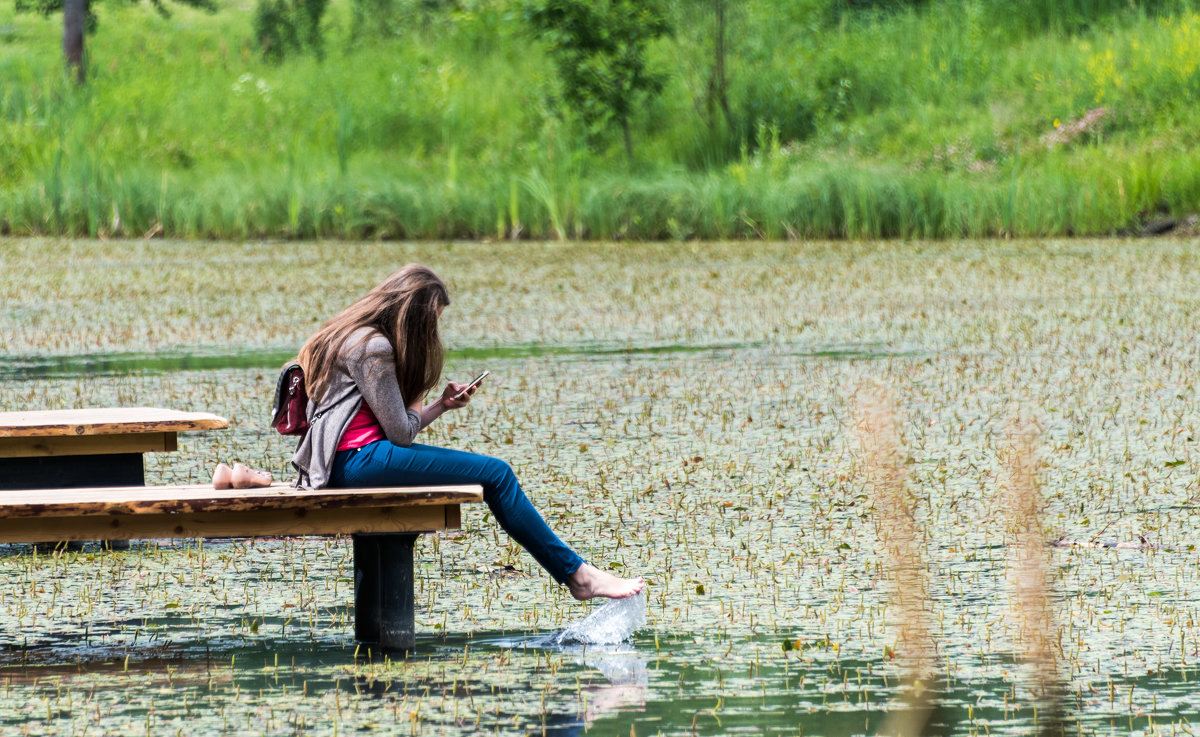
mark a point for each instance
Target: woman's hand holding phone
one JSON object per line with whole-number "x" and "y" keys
{"x": 456, "y": 396}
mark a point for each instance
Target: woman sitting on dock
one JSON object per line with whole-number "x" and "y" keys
{"x": 367, "y": 373}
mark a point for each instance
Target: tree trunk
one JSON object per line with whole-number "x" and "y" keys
{"x": 74, "y": 19}
{"x": 719, "y": 64}
{"x": 628, "y": 138}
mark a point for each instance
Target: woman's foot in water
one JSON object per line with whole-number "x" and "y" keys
{"x": 588, "y": 582}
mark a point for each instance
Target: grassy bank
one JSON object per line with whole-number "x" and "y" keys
{"x": 945, "y": 119}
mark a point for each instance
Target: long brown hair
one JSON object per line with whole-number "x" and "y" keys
{"x": 405, "y": 308}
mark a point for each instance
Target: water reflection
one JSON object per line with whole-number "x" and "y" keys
{"x": 30, "y": 367}
{"x": 624, "y": 687}
{"x": 501, "y": 681}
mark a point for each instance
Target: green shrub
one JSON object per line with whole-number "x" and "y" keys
{"x": 1071, "y": 16}
{"x": 283, "y": 27}
{"x": 599, "y": 49}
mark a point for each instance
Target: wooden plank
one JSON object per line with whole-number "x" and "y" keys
{"x": 82, "y": 445}
{"x": 153, "y": 500}
{"x": 254, "y": 523}
{"x": 104, "y": 421}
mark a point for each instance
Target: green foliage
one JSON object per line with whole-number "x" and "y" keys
{"x": 1035, "y": 16}
{"x": 49, "y": 7}
{"x": 283, "y": 27}
{"x": 840, "y": 8}
{"x": 376, "y": 19}
{"x": 80, "y": 19}
{"x": 910, "y": 123}
{"x": 599, "y": 48}
{"x": 708, "y": 39}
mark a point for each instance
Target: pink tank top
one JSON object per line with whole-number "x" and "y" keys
{"x": 363, "y": 429}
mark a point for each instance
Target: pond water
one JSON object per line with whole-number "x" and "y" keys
{"x": 679, "y": 411}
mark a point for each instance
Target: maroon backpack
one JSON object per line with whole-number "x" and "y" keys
{"x": 289, "y": 414}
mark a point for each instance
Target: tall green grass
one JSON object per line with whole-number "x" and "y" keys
{"x": 835, "y": 200}
{"x": 912, "y": 120}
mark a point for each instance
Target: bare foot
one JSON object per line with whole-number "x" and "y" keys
{"x": 588, "y": 582}
{"x": 246, "y": 478}
{"x": 222, "y": 477}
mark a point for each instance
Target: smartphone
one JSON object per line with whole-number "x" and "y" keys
{"x": 474, "y": 382}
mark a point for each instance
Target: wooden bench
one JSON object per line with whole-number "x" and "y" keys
{"x": 94, "y": 446}
{"x": 384, "y": 524}
{"x": 97, "y": 446}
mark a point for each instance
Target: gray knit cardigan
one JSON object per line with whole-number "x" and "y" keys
{"x": 365, "y": 369}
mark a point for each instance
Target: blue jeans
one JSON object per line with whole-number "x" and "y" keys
{"x": 383, "y": 464}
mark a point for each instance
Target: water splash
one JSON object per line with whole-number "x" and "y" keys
{"x": 611, "y": 624}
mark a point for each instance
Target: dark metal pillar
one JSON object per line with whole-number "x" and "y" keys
{"x": 384, "y": 614}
